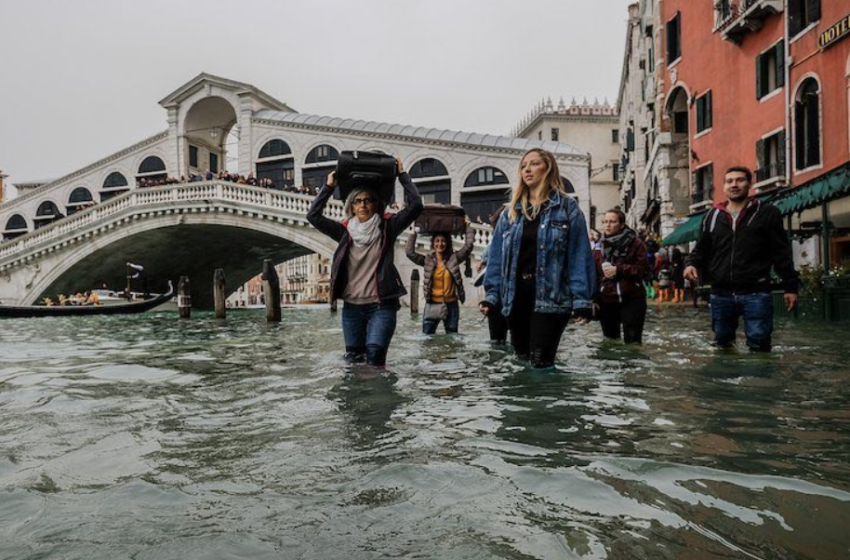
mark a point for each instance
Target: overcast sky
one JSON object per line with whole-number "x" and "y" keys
{"x": 80, "y": 80}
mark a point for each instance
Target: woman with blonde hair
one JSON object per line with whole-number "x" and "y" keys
{"x": 541, "y": 270}
{"x": 363, "y": 273}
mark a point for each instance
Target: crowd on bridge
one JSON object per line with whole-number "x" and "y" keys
{"x": 250, "y": 179}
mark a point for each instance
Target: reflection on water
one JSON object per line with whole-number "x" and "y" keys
{"x": 149, "y": 437}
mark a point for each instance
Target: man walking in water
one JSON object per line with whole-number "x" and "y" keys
{"x": 739, "y": 242}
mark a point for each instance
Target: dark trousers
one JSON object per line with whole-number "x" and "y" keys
{"x": 631, "y": 314}
{"x": 534, "y": 336}
{"x": 498, "y": 326}
{"x": 757, "y": 312}
{"x": 368, "y": 330}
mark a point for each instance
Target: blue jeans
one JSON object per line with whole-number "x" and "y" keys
{"x": 429, "y": 326}
{"x": 757, "y": 311}
{"x": 368, "y": 330}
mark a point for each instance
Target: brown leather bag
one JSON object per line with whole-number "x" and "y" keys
{"x": 442, "y": 218}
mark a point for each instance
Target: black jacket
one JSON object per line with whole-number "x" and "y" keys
{"x": 388, "y": 280}
{"x": 737, "y": 258}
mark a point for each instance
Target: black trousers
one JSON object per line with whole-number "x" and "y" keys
{"x": 534, "y": 336}
{"x": 631, "y": 314}
{"x": 498, "y": 326}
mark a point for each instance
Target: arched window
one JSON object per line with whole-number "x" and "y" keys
{"x": 46, "y": 213}
{"x": 432, "y": 179}
{"x": 277, "y": 164}
{"x": 275, "y": 148}
{"x": 114, "y": 184}
{"x": 151, "y": 164}
{"x": 807, "y": 127}
{"x": 428, "y": 168}
{"x": 568, "y": 185}
{"x": 16, "y": 226}
{"x": 677, "y": 112}
{"x": 485, "y": 177}
{"x": 79, "y": 199}
{"x": 322, "y": 154}
{"x": 319, "y": 163}
{"x": 115, "y": 180}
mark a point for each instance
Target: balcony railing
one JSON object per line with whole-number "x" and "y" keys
{"x": 740, "y": 17}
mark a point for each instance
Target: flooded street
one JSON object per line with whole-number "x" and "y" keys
{"x": 146, "y": 437}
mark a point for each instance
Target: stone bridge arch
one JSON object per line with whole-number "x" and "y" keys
{"x": 172, "y": 245}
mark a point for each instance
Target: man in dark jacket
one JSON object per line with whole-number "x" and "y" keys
{"x": 739, "y": 242}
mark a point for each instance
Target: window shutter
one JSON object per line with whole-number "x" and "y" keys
{"x": 813, "y": 132}
{"x": 709, "y": 111}
{"x": 780, "y": 156}
{"x": 812, "y": 11}
{"x": 760, "y": 81}
{"x": 709, "y": 182}
{"x": 799, "y": 135}
{"x": 761, "y": 157}
{"x": 795, "y": 16}
{"x": 780, "y": 64}
{"x": 700, "y": 114}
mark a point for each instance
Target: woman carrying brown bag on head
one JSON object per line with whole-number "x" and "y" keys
{"x": 443, "y": 287}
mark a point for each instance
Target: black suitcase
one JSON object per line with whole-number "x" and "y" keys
{"x": 442, "y": 218}
{"x": 366, "y": 170}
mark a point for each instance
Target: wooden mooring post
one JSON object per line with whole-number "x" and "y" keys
{"x": 271, "y": 291}
{"x": 414, "y": 291}
{"x": 219, "y": 293}
{"x": 184, "y": 298}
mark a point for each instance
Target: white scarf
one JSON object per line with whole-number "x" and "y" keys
{"x": 364, "y": 233}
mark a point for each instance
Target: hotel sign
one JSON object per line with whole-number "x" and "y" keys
{"x": 835, "y": 33}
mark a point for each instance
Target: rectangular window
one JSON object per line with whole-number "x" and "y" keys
{"x": 770, "y": 70}
{"x": 615, "y": 136}
{"x": 214, "y": 163}
{"x": 770, "y": 153}
{"x": 556, "y": 134}
{"x": 615, "y": 171}
{"x": 674, "y": 39}
{"x": 630, "y": 140}
{"x": 722, "y": 12}
{"x": 193, "y": 156}
{"x": 540, "y": 135}
{"x": 704, "y": 112}
{"x": 801, "y": 14}
{"x": 703, "y": 184}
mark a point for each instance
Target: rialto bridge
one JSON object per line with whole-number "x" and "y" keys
{"x": 76, "y": 232}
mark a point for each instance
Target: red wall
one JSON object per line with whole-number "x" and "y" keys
{"x": 831, "y": 67}
{"x": 729, "y": 70}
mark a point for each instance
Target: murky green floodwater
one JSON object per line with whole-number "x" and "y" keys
{"x": 151, "y": 438}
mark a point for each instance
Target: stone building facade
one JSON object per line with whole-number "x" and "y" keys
{"x": 591, "y": 127}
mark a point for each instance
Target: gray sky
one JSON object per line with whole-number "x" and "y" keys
{"x": 80, "y": 80}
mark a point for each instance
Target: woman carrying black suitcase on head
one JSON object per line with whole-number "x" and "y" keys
{"x": 363, "y": 274}
{"x": 443, "y": 280}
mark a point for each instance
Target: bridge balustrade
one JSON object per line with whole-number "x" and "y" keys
{"x": 207, "y": 191}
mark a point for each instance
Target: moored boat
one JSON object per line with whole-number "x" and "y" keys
{"x": 11, "y": 311}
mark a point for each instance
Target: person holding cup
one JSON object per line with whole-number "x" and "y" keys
{"x": 621, "y": 265}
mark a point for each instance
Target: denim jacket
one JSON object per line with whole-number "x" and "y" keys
{"x": 566, "y": 273}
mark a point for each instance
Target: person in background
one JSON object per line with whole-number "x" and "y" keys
{"x": 677, "y": 263}
{"x": 363, "y": 273}
{"x": 621, "y": 266}
{"x": 442, "y": 279}
{"x": 541, "y": 268}
{"x": 739, "y": 242}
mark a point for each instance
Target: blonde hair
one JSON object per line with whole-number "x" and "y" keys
{"x": 349, "y": 202}
{"x": 551, "y": 182}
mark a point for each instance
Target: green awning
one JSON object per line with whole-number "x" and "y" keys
{"x": 835, "y": 184}
{"x": 685, "y": 233}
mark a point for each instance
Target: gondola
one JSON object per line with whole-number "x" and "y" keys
{"x": 85, "y": 310}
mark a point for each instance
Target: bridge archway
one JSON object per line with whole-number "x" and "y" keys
{"x": 211, "y": 137}
{"x": 170, "y": 246}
